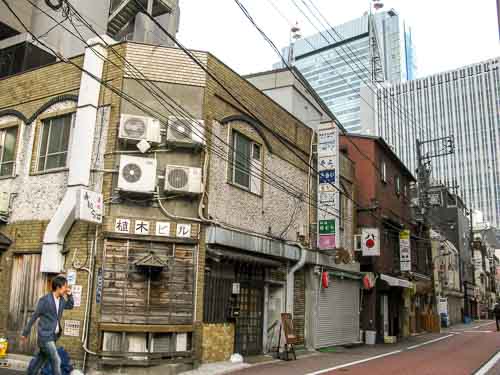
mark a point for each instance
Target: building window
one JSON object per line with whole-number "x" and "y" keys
{"x": 246, "y": 163}
{"x": 54, "y": 142}
{"x": 398, "y": 185}
{"x": 383, "y": 171}
{"x": 8, "y": 145}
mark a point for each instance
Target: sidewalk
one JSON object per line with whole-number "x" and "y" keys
{"x": 310, "y": 362}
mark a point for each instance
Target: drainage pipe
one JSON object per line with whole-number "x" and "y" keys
{"x": 290, "y": 277}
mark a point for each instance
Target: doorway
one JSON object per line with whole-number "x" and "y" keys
{"x": 249, "y": 324}
{"x": 27, "y": 285}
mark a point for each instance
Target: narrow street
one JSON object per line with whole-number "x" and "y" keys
{"x": 455, "y": 352}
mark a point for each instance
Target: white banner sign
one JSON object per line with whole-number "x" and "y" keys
{"x": 90, "y": 206}
{"x": 72, "y": 328}
{"x": 76, "y": 292}
{"x": 328, "y": 187}
{"x": 405, "y": 250}
{"x": 370, "y": 242}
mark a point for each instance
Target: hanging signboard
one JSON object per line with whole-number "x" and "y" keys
{"x": 370, "y": 242}
{"x": 328, "y": 186}
{"x": 90, "y": 206}
{"x": 404, "y": 250}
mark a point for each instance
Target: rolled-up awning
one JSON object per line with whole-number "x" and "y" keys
{"x": 394, "y": 281}
{"x": 219, "y": 254}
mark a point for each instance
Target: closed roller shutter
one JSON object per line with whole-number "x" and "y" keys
{"x": 338, "y": 314}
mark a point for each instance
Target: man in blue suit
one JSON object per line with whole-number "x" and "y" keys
{"x": 49, "y": 311}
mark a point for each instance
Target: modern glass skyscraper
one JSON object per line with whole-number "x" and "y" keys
{"x": 340, "y": 60}
{"x": 463, "y": 103}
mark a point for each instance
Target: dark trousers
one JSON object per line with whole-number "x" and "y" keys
{"x": 498, "y": 322}
{"x": 47, "y": 352}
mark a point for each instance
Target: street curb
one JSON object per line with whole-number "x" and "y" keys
{"x": 485, "y": 362}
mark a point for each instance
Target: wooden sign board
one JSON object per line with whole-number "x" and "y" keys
{"x": 289, "y": 330}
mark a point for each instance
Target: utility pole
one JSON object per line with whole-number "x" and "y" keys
{"x": 426, "y": 151}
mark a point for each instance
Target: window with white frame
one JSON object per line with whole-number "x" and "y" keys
{"x": 246, "y": 162}
{"x": 8, "y": 145}
{"x": 54, "y": 142}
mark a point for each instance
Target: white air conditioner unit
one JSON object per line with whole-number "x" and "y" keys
{"x": 182, "y": 131}
{"x": 138, "y": 128}
{"x": 4, "y": 203}
{"x": 179, "y": 179}
{"x": 137, "y": 174}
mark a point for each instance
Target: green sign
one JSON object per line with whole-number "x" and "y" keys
{"x": 327, "y": 227}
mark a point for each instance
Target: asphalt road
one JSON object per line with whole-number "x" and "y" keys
{"x": 461, "y": 354}
{"x": 456, "y": 352}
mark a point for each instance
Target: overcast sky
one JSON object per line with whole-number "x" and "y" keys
{"x": 447, "y": 33}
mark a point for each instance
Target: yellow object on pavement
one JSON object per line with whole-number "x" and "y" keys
{"x": 4, "y": 344}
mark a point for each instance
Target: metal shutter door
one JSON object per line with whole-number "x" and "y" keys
{"x": 338, "y": 314}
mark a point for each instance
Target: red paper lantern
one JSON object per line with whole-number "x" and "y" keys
{"x": 324, "y": 280}
{"x": 367, "y": 283}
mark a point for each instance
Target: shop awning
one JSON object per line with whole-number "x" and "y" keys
{"x": 394, "y": 281}
{"x": 219, "y": 254}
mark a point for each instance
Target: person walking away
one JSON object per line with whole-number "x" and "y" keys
{"x": 496, "y": 311}
{"x": 48, "y": 312}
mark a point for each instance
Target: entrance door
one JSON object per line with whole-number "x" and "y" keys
{"x": 275, "y": 306}
{"x": 249, "y": 328}
{"x": 28, "y": 284}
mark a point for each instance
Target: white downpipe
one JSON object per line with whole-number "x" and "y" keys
{"x": 290, "y": 277}
{"x": 80, "y": 159}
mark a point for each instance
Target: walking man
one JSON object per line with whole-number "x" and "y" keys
{"x": 49, "y": 311}
{"x": 496, "y": 311}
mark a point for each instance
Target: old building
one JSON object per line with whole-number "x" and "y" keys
{"x": 332, "y": 307}
{"x": 447, "y": 280}
{"x": 400, "y": 296}
{"x": 181, "y": 207}
{"x": 484, "y": 246}
{"x": 450, "y": 217}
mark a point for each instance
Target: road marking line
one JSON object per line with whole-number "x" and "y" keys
{"x": 355, "y": 362}
{"x": 488, "y": 365}
{"x": 429, "y": 342}
{"x": 482, "y": 325}
{"x": 477, "y": 331}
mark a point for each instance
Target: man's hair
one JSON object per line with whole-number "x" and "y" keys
{"x": 58, "y": 282}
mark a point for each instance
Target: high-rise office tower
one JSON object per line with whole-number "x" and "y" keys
{"x": 339, "y": 60}
{"x": 463, "y": 103}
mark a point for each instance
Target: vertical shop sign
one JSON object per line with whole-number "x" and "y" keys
{"x": 404, "y": 250}
{"x": 328, "y": 186}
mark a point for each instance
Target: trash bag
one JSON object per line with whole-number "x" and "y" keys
{"x": 236, "y": 358}
{"x": 66, "y": 367}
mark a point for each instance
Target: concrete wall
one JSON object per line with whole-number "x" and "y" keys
{"x": 22, "y": 8}
{"x": 95, "y": 12}
{"x": 36, "y": 196}
{"x": 269, "y": 213}
{"x": 287, "y": 91}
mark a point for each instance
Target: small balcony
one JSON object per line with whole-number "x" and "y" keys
{"x": 122, "y": 12}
